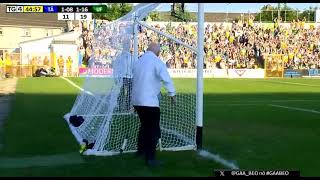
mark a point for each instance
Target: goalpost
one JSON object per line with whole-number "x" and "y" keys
{"x": 102, "y": 117}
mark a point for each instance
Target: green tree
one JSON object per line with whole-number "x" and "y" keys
{"x": 114, "y": 11}
{"x": 155, "y": 16}
{"x": 308, "y": 14}
{"x": 269, "y": 13}
{"x": 288, "y": 13}
{"x": 265, "y": 13}
{"x": 181, "y": 14}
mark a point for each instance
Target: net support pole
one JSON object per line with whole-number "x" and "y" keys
{"x": 135, "y": 39}
{"x": 200, "y": 55}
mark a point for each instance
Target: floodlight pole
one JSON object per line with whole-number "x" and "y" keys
{"x": 200, "y": 55}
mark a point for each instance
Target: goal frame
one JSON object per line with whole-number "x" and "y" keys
{"x": 198, "y": 126}
{"x": 200, "y": 59}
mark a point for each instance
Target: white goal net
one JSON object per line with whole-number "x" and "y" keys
{"x": 103, "y": 117}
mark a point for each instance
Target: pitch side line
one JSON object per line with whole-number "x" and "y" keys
{"x": 295, "y": 108}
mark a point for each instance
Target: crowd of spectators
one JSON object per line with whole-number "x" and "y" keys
{"x": 241, "y": 44}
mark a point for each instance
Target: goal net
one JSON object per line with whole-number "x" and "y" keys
{"x": 103, "y": 116}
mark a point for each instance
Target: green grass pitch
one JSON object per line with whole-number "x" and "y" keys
{"x": 240, "y": 124}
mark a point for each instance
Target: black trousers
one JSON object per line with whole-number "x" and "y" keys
{"x": 149, "y": 132}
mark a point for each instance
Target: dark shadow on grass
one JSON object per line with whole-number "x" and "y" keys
{"x": 36, "y": 122}
{"x": 35, "y": 126}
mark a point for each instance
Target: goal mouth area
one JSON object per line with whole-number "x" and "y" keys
{"x": 91, "y": 152}
{"x": 102, "y": 102}
{"x": 189, "y": 143}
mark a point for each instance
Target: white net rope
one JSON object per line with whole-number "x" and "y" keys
{"x": 105, "y": 104}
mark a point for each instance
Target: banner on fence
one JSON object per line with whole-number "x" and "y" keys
{"x": 295, "y": 72}
{"x": 313, "y": 72}
{"x": 95, "y": 72}
{"x": 246, "y": 73}
{"x": 183, "y": 73}
{"x": 220, "y": 73}
{"x": 217, "y": 73}
{"x": 192, "y": 73}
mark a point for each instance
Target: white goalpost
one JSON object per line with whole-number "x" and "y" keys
{"x": 102, "y": 116}
{"x": 200, "y": 56}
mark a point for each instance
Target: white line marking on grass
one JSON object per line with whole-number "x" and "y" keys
{"x": 295, "y": 108}
{"x": 76, "y": 86}
{"x": 264, "y": 101}
{"x": 217, "y": 158}
{"x": 285, "y": 82}
{"x": 244, "y": 105}
{"x": 203, "y": 153}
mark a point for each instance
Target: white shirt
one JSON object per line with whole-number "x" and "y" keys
{"x": 148, "y": 73}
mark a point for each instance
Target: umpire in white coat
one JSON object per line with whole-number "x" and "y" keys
{"x": 148, "y": 74}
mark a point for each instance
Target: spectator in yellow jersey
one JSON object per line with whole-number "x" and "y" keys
{"x": 2, "y": 66}
{"x": 69, "y": 66}
{"x": 61, "y": 64}
{"x": 297, "y": 42}
{"x": 8, "y": 64}
{"x": 250, "y": 23}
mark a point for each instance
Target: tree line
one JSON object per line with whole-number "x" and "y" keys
{"x": 286, "y": 13}
{"x": 267, "y": 13}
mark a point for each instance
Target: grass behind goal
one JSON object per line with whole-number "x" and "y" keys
{"x": 239, "y": 124}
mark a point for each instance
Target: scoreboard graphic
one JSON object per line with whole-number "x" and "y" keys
{"x": 64, "y": 12}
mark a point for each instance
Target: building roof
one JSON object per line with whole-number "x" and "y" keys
{"x": 68, "y": 36}
{"x": 30, "y": 19}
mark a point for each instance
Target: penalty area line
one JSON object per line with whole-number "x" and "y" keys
{"x": 217, "y": 158}
{"x": 295, "y": 108}
{"x": 294, "y": 83}
{"x": 76, "y": 86}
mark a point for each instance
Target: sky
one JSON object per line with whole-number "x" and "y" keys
{"x": 211, "y": 7}
{"x": 238, "y": 7}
